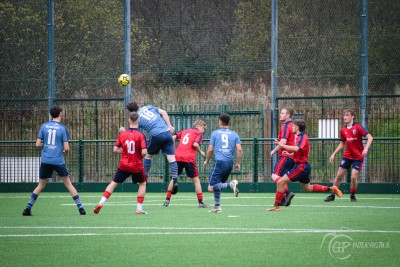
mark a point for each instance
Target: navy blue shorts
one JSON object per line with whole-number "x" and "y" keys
{"x": 346, "y": 163}
{"x": 163, "y": 142}
{"x": 190, "y": 169}
{"x": 46, "y": 170}
{"x": 137, "y": 177}
{"x": 283, "y": 165}
{"x": 220, "y": 172}
{"x": 300, "y": 173}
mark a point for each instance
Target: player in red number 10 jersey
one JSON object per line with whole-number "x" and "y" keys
{"x": 131, "y": 143}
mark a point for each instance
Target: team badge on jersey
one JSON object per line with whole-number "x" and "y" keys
{"x": 354, "y": 131}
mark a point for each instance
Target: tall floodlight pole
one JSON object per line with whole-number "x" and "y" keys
{"x": 364, "y": 71}
{"x": 50, "y": 54}
{"x": 274, "y": 64}
{"x": 127, "y": 51}
{"x": 274, "y": 69}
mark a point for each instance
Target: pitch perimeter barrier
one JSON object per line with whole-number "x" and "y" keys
{"x": 92, "y": 164}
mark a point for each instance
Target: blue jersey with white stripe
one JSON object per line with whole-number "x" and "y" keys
{"x": 53, "y": 134}
{"x": 224, "y": 141}
{"x": 151, "y": 120}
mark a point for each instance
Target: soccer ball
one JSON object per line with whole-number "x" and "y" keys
{"x": 124, "y": 79}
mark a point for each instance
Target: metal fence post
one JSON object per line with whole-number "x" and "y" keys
{"x": 51, "y": 54}
{"x": 364, "y": 73}
{"x": 127, "y": 52}
{"x": 80, "y": 165}
{"x": 255, "y": 165}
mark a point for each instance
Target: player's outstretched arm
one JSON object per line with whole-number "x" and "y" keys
{"x": 144, "y": 152}
{"x": 282, "y": 141}
{"x": 197, "y": 147}
{"x": 165, "y": 116}
{"x": 239, "y": 155}
{"x": 209, "y": 154}
{"x": 340, "y": 147}
{"x": 290, "y": 148}
{"x": 118, "y": 150}
{"x": 369, "y": 142}
{"x": 66, "y": 148}
{"x": 39, "y": 143}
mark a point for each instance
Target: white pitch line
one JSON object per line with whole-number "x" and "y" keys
{"x": 229, "y": 230}
{"x": 275, "y": 231}
{"x": 240, "y": 205}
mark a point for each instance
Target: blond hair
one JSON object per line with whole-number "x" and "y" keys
{"x": 200, "y": 123}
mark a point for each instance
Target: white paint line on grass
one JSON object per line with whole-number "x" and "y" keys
{"x": 217, "y": 231}
{"x": 242, "y": 205}
{"x": 228, "y": 229}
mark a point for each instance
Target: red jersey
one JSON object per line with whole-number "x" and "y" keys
{"x": 301, "y": 156}
{"x": 286, "y": 132}
{"x": 353, "y": 137}
{"x": 132, "y": 142}
{"x": 185, "y": 152}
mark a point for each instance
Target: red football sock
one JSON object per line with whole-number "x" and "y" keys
{"x": 353, "y": 190}
{"x": 106, "y": 194}
{"x": 278, "y": 197}
{"x": 140, "y": 200}
{"x": 285, "y": 187}
{"x": 320, "y": 188}
{"x": 169, "y": 194}
{"x": 200, "y": 197}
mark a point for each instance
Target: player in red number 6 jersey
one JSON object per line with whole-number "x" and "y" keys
{"x": 351, "y": 135}
{"x": 131, "y": 143}
{"x": 185, "y": 154}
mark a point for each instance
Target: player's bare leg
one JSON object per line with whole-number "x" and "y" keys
{"x": 106, "y": 195}
{"x": 140, "y": 198}
{"x": 173, "y": 169}
{"x": 338, "y": 179}
{"x": 199, "y": 192}
{"x": 34, "y": 196}
{"x": 317, "y": 188}
{"x": 353, "y": 184}
{"x": 74, "y": 194}
{"x": 279, "y": 195}
{"x": 169, "y": 194}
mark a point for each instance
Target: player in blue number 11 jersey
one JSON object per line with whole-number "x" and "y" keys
{"x": 53, "y": 140}
{"x": 223, "y": 143}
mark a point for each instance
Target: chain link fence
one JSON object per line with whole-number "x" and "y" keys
{"x": 202, "y": 50}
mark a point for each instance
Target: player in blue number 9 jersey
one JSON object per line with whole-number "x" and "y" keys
{"x": 223, "y": 143}
{"x": 53, "y": 140}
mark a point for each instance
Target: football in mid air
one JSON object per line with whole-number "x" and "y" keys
{"x": 124, "y": 79}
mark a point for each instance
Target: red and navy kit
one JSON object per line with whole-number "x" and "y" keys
{"x": 132, "y": 142}
{"x": 302, "y": 154}
{"x": 286, "y": 132}
{"x": 185, "y": 152}
{"x": 353, "y": 138}
{"x": 301, "y": 169}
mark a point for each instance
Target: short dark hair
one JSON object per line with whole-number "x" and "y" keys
{"x": 225, "y": 119}
{"x": 133, "y": 116}
{"x": 133, "y": 107}
{"x": 290, "y": 111}
{"x": 55, "y": 111}
{"x": 301, "y": 124}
